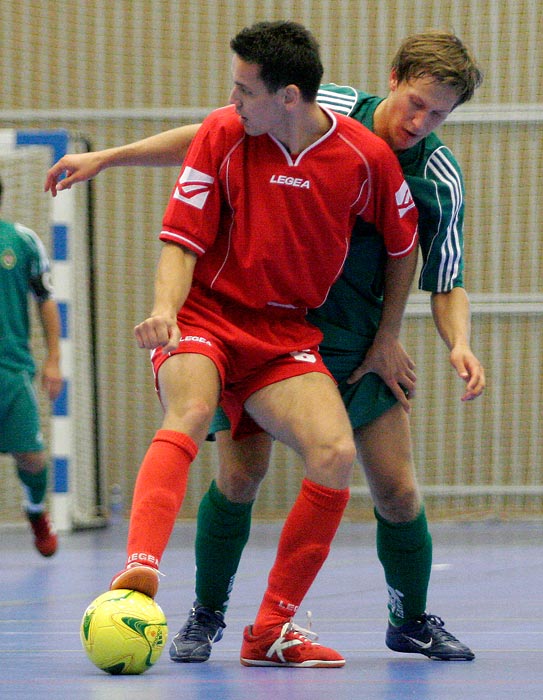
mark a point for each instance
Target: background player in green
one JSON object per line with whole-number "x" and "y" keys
{"x": 431, "y": 74}
{"x": 24, "y": 269}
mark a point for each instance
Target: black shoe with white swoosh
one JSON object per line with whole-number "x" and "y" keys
{"x": 427, "y": 635}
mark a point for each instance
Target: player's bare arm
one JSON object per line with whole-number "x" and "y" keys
{"x": 165, "y": 149}
{"x": 451, "y": 313}
{"x": 51, "y": 376}
{"x": 387, "y": 357}
{"x": 173, "y": 281}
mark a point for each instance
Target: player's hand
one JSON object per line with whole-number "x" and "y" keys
{"x": 469, "y": 369}
{"x": 388, "y": 358}
{"x": 77, "y": 167}
{"x": 51, "y": 379}
{"x": 158, "y": 331}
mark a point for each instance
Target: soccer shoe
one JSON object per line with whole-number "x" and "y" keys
{"x": 427, "y": 635}
{"x": 287, "y": 645}
{"x": 137, "y": 577}
{"x": 45, "y": 537}
{"x": 193, "y": 642}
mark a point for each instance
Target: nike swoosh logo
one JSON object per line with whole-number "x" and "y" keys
{"x": 418, "y": 643}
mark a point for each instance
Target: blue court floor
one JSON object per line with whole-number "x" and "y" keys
{"x": 486, "y": 585}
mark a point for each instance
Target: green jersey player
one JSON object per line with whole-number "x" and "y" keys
{"x": 351, "y": 316}
{"x": 431, "y": 74}
{"x": 24, "y": 269}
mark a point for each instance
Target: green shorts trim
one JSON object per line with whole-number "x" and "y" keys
{"x": 19, "y": 414}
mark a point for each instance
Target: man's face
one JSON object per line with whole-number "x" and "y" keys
{"x": 260, "y": 110}
{"x": 415, "y": 108}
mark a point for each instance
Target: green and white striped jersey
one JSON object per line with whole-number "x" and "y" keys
{"x": 436, "y": 183}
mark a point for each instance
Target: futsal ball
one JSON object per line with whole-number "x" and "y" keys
{"x": 123, "y": 631}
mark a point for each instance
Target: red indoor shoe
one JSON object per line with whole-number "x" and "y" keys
{"x": 45, "y": 537}
{"x": 287, "y": 645}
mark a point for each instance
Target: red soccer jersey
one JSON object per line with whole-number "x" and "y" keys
{"x": 273, "y": 229}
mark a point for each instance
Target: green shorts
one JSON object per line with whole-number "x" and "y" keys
{"x": 342, "y": 353}
{"x": 19, "y": 414}
{"x": 365, "y": 400}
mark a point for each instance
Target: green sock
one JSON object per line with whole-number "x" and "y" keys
{"x": 405, "y": 551}
{"x": 35, "y": 485}
{"x": 222, "y": 532}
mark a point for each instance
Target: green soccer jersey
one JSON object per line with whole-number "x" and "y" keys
{"x": 353, "y": 308}
{"x": 24, "y": 269}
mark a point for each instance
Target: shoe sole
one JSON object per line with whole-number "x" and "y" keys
{"x": 432, "y": 655}
{"x": 312, "y": 663}
{"x": 139, "y": 578}
{"x": 189, "y": 659}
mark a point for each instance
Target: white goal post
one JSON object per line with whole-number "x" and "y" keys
{"x": 77, "y": 483}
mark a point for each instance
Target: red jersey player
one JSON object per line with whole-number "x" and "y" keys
{"x": 246, "y": 208}
{"x": 256, "y": 231}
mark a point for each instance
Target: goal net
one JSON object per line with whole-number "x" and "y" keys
{"x": 70, "y": 424}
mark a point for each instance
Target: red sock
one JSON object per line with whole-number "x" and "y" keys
{"x": 158, "y": 494}
{"x": 303, "y": 547}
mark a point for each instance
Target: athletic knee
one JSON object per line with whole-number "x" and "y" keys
{"x": 239, "y": 486}
{"x": 332, "y": 462}
{"x": 345, "y": 451}
{"x": 32, "y": 462}
{"x": 192, "y": 417}
{"x": 400, "y": 503}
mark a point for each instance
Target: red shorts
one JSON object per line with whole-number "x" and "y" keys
{"x": 251, "y": 348}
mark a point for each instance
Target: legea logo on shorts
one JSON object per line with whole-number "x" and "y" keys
{"x": 304, "y": 356}
{"x": 193, "y": 187}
